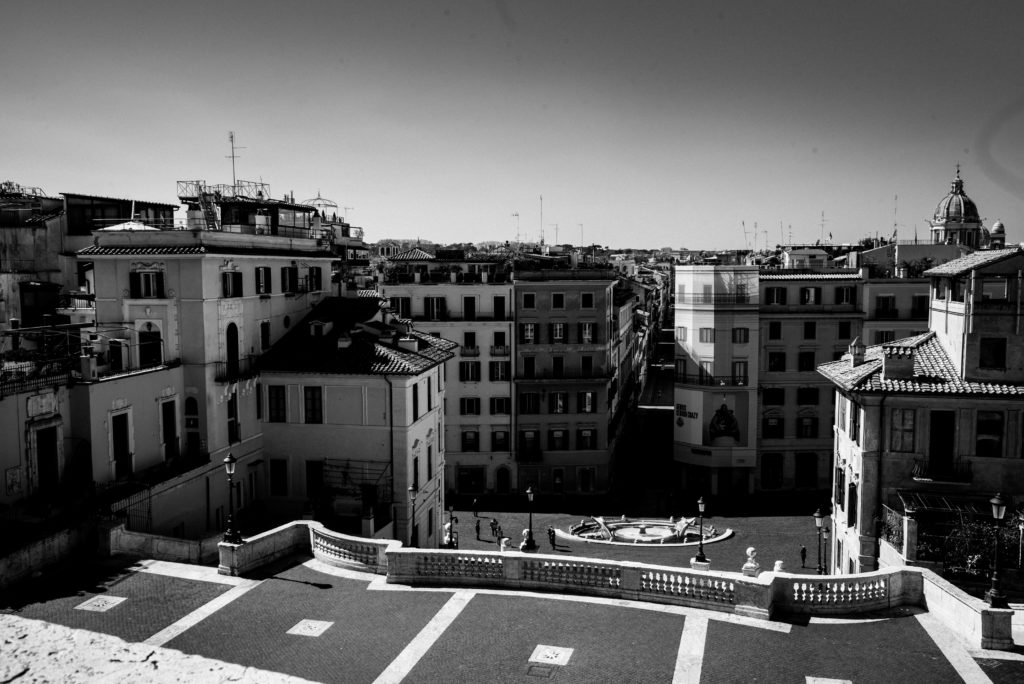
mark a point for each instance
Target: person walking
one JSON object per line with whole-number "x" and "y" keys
{"x": 551, "y": 537}
{"x": 478, "y": 529}
{"x": 803, "y": 556}
{"x": 494, "y": 527}
{"x": 500, "y": 533}
{"x": 476, "y": 507}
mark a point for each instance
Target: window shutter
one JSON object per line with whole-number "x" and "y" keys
{"x": 160, "y": 285}
{"x": 134, "y": 285}
{"x": 817, "y": 295}
{"x": 236, "y": 278}
{"x": 551, "y": 333}
{"x": 225, "y": 284}
{"x": 579, "y": 332}
{"x": 595, "y": 333}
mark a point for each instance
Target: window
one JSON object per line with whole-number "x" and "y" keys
{"x": 434, "y": 309}
{"x": 807, "y": 427}
{"x": 775, "y": 330}
{"x": 901, "y": 435}
{"x": 585, "y": 478}
{"x": 810, "y": 330}
{"x": 430, "y": 462}
{"x": 278, "y": 477}
{"x": 806, "y": 470}
{"x": 469, "y": 308}
{"x": 527, "y": 333}
{"x": 773, "y": 427}
{"x": 529, "y": 442}
{"x": 855, "y": 421}
{"x": 416, "y": 472}
{"x": 775, "y": 295}
{"x": 234, "y": 428}
{"x": 843, "y": 330}
{"x": 740, "y": 335}
{"x": 259, "y": 401}
{"x": 263, "y": 285}
{"x": 558, "y": 402}
{"x": 587, "y": 300}
{"x": 586, "y": 366}
{"x": 992, "y": 353}
{"x": 840, "y": 487}
{"x": 846, "y": 294}
{"x": 557, "y": 300}
{"x": 231, "y": 284}
{"x": 883, "y": 336}
{"x": 276, "y": 404}
{"x": 807, "y": 395}
{"x": 558, "y": 366}
{"x": 529, "y": 300}
{"x": 586, "y": 438}
{"x": 499, "y": 371}
{"x": 989, "y": 440}
{"x": 415, "y": 402}
{"x": 313, "y": 404}
{"x": 919, "y": 307}
{"x": 529, "y": 402}
{"x": 739, "y": 373}
{"x": 587, "y": 333}
{"x": 558, "y": 440}
{"x": 529, "y": 366}
{"x": 776, "y": 362}
{"x": 558, "y": 332}
{"x": 501, "y": 406}
{"x": 774, "y": 396}
{"x": 771, "y": 471}
{"x": 402, "y": 306}
{"x": 469, "y": 371}
{"x": 470, "y": 440}
{"x": 315, "y": 279}
{"x": 499, "y": 338}
{"x": 681, "y": 333}
{"x": 810, "y": 295}
{"x": 146, "y": 285}
{"x": 586, "y": 402}
{"x": 264, "y": 335}
{"x": 430, "y": 394}
{"x": 499, "y": 440}
{"x": 707, "y": 372}
{"x": 469, "y": 340}
{"x": 289, "y": 279}
{"x": 707, "y": 334}
{"x": 805, "y": 361}
{"x": 469, "y": 406}
{"x": 885, "y": 306}
{"x": 851, "y": 505}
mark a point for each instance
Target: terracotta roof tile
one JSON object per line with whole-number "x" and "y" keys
{"x": 968, "y": 263}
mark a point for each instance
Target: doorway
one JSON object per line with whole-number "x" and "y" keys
{"x": 121, "y": 442}
{"x": 941, "y": 443}
{"x": 47, "y": 462}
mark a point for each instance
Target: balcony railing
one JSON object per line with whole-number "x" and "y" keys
{"x": 243, "y": 369}
{"x": 721, "y": 298}
{"x": 502, "y": 350}
{"x": 76, "y": 300}
{"x": 469, "y": 351}
{"x": 957, "y": 471}
{"x": 26, "y": 377}
{"x": 597, "y": 373}
{"x": 713, "y": 380}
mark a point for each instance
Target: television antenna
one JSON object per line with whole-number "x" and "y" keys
{"x": 233, "y": 157}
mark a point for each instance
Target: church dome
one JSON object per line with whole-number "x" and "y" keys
{"x": 998, "y": 228}
{"x": 956, "y": 206}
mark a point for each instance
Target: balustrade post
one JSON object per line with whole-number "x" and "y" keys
{"x": 754, "y": 596}
{"x": 909, "y": 538}
{"x": 629, "y": 580}
{"x": 512, "y": 569}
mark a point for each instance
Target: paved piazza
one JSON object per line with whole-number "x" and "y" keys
{"x": 319, "y": 623}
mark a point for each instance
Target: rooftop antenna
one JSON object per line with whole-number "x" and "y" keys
{"x": 746, "y": 240}
{"x": 755, "y": 237}
{"x": 581, "y": 236}
{"x": 233, "y": 157}
{"x": 515, "y": 215}
{"x": 790, "y": 233}
{"x": 895, "y": 215}
{"x": 542, "y": 219}
{"x": 821, "y": 236}
{"x": 782, "y": 236}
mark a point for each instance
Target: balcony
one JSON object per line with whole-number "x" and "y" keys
{"x": 76, "y": 300}
{"x": 242, "y": 369}
{"x": 566, "y": 374}
{"x": 958, "y": 471}
{"x": 469, "y": 351}
{"x": 716, "y": 299}
{"x": 887, "y": 314}
{"x": 713, "y": 380}
{"x": 502, "y": 350}
{"x": 29, "y": 376}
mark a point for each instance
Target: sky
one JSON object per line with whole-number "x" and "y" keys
{"x": 652, "y": 124}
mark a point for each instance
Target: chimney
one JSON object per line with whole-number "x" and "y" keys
{"x": 408, "y": 343}
{"x": 856, "y": 352}
{"x": 897, "y": 363}
{"x": 344, "y": 342}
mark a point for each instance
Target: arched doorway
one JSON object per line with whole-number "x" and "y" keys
{"x": 231, "y": 341}
{"x": 502, "y": 484}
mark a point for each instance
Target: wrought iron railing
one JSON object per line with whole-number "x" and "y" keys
{"x": 892, "y": 528}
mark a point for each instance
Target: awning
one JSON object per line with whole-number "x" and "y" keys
{"x": 944, "y": 503}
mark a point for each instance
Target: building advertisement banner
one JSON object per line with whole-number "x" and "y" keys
{"x": 712, "y": 419}
{"x": 688, "y": 412}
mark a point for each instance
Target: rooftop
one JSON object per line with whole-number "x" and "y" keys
{"x": 968, "y": 263}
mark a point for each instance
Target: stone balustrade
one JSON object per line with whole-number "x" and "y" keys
{"x": 761, "y": 596}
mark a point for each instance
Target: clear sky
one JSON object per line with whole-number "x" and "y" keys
{"x": 651, "y": 123}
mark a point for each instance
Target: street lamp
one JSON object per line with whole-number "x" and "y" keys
{"x": 530, "y": 544}
{"x": 819, "y": 522}
{"x": 994, "y": 597}
{"x": 412, "y": 513}
{"x": 701, "y": 558}
{"x": 231, "y": 535}
{"x": 452, "y": 544}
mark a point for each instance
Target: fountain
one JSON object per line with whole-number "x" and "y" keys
{"x": 659, "y": 531}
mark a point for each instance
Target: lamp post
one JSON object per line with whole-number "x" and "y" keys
{"x": 824, "y": 534}
{"x": 994, "y": 597}
{"x": 452, "y": 543}
{"x": 530, "y": 544}
{"x": 701, "y": 558}
{"x": 231, "y": 535}
{"x": 819, "y": 522}
{"x": 412, "y": 513}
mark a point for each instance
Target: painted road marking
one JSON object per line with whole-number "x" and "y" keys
{"x": 310, "y": 628}
{"x": 421, "y": 643}
{"x": 953, "y": 650}
{"x": 690, "y": 657}
{"x": 551, "y": 655}
{"x": 200, "y": 613}
{"x": 101, "y": 604}
{"x": 826, "y": 680}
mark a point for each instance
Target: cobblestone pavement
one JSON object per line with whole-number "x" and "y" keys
{"x": 316, "y": 622}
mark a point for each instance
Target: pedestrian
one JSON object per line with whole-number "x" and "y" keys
{"x": 551, "y": 537}
{"x": 478, "y": 529}
{"x": 476, "y": 507}
{"x": 494, "y": 527}
{"x": 500, "y": 533}
{"x": 803, "y": 556}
